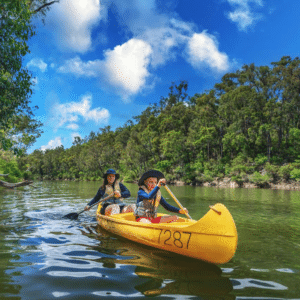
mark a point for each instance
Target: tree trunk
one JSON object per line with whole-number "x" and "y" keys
{"x": 9, "y": 185}
{"x": 269, "y": 145}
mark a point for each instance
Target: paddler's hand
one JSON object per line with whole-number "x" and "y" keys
{"x": 183, "y": 211}
{"x": 161, "y": 182}
{"x": 87, "y": 207}
{"x": 117, "y": 194}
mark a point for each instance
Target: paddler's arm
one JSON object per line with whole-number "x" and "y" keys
{"x": 168, "y": 206}
{"x": 98, "y": 196}
{"x": 143, "y": 195}
{"x": 125, "y": 193}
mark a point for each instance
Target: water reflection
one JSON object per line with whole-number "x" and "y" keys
{"x": 239, "y": 284}
{"x": 166, "y": 273}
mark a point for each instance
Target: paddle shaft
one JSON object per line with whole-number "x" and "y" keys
{"x": 106, "y": 198}
{"x": 175, "y": 199}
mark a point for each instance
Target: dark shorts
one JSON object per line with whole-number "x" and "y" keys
{"x": 102, "y": 211}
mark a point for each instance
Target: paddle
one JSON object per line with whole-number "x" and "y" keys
{"x": 175, "y": 199}
{"x": 74, "y": 216}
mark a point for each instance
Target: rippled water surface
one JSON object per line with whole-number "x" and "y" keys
{"x": 43, "y": 256}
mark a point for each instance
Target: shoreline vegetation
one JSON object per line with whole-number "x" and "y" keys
{"x": 245, "y": 132}
{"x": 228, "y": 183}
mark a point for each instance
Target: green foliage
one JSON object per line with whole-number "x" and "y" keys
{"x": 285, "y": 171}
{"x": 272, "y": 171}
{"x": 15, "y": 81}
{"x": 260, "y": 179}
{"x": 164, "y": 165}
{"x": 10, "y": 167}
{"x": 207, "y": 176}
{"x": 246, "y": 127}
{"x": 260, "y": 160}
{"x": 129, "y": 176}
{"x": 295, "y": 174}
{"x": 18, "y": 128}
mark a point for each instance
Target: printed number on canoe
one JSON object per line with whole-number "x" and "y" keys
{"x": 176, "y": 238}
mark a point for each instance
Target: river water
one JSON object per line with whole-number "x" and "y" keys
{"x": 43, "y": 256}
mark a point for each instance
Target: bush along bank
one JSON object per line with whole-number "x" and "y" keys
{"x": 9, "y": 167}
{"x": 257, "y": 174}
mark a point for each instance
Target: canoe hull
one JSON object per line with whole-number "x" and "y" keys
{"x": 213, "y": 238}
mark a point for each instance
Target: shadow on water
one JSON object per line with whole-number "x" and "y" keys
{"x": 166, "y": 273}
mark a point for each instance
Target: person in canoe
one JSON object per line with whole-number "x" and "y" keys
{"x": 149, "y": 197}
{"x": 114, "y": 205}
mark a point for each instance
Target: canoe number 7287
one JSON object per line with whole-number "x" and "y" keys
{"x": 178, "y": 239}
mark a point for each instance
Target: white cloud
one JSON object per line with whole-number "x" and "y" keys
{"x": 52, "y": 144}
{"x": 157, "y": 39}
{"x": 79, "y": 68}
{"x": 72, "y": 22}
{"x": 69, "y": 114}
{"x": 202, "y": 50}
{"x": 126, "y": 66}
{"x": 139, "y": 15}
{"x": 38, "y": 63}
{"x": 72, "y": 126}
{"x": 168, "y": 36}
{"x": 243, "y": 13}
{"x": 164, "y": 42}
{"x": 162, "y": 33}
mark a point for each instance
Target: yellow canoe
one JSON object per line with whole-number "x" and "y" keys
{"x": 213, "y": 238}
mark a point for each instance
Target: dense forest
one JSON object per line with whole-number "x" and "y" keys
{"x": 247, "y": 127}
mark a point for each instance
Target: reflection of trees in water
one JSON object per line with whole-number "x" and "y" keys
{"x": 7, "y": 284}
{"x": 166, "y": 272}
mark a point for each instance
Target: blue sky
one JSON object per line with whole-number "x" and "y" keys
{"x": 97, "y": 63}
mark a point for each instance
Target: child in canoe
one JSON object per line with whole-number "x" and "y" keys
{"x": 115, "y": 204}
{"x": 149, "y": 197}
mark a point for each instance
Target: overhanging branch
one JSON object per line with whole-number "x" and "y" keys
{"x": 9, "y": 185}
{"x": 45, "y": 5}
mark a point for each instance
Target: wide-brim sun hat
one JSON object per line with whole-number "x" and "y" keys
{"x": 111, "y": 171}
{"x": 152, "y": 173}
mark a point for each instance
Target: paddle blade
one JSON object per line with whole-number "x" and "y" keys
{"x": 72, "y": 216}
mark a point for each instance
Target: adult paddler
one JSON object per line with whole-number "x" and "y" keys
{"x": 114, "y": 205}
{"x": 149, "y": 197}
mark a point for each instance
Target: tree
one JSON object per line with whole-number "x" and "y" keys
{"x": 18, "y": 129}
{"x": 15, "y": 80}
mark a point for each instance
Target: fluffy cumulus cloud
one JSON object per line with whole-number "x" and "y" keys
{"x": 126, "y": 66}
{"x": 68, "y": 115}
{"x": 72, "y": 22}
{"x": 52, "y": 144}
{"x": 244, "y": 13}
{"x": 38, "y": 63}
{"x": 203, "y": 50}
{"x": 157, "y": 38}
